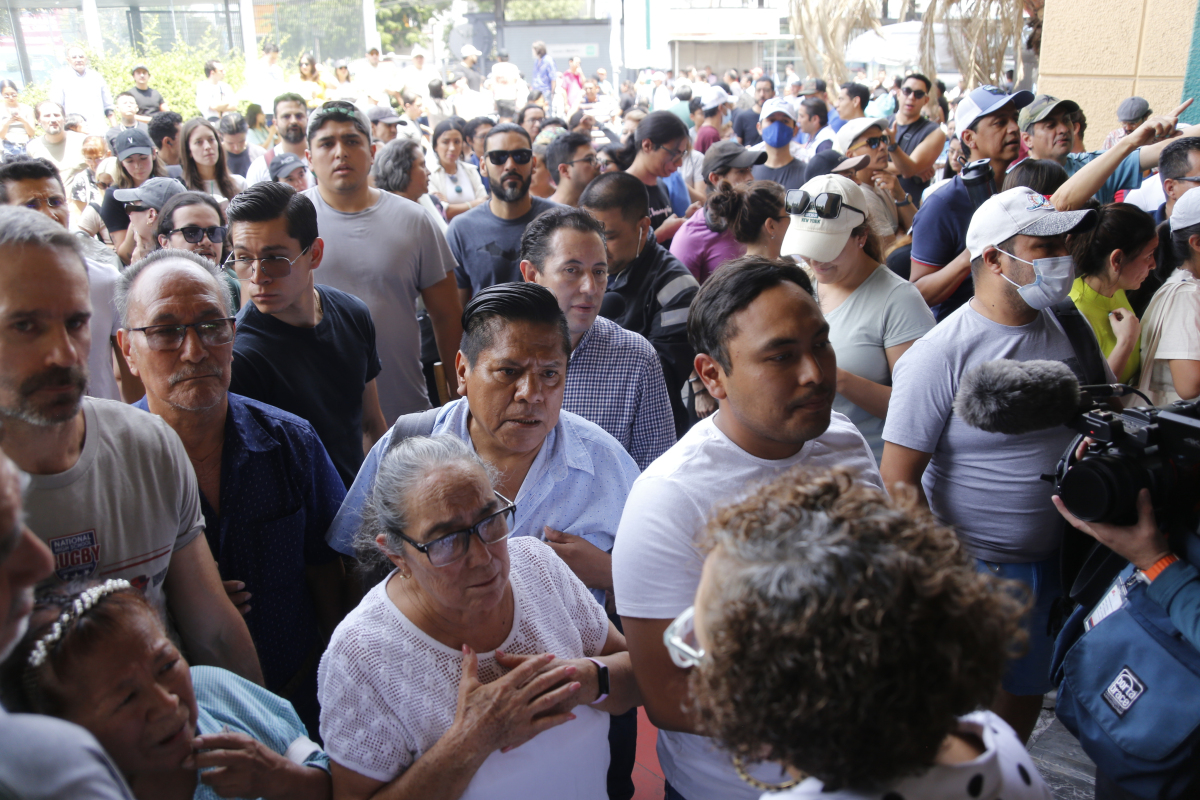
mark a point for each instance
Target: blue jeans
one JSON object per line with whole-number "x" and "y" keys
{"x": 1030, "y": 674}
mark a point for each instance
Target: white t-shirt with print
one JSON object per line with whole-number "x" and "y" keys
{"x": 1004, "y": 770}
{"x": 656, "y": 564}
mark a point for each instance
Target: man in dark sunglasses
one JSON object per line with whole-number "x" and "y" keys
{"x": 267, "y": 488}
{"x": 143, "y": 205}
{"x": 486, "y": 240}
{"x": 918, "y": 140}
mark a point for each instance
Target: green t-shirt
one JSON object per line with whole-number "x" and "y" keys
{"x": 1096, "y": 307}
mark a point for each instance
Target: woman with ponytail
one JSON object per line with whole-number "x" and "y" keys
{"x": 755, "y": 213}
{"x": 657, "y": 150}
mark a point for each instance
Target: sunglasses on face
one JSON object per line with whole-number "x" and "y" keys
{"x": 135, "y": 208}
{"x": 827, "y": 205}
{"x": 194, "y": 234}
{"x": 908, "y": 91}
{"x": 874, "y": 142}
{"x": 500, "y": 157}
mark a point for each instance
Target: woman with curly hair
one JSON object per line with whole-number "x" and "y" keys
{"x": 849, "y": 637}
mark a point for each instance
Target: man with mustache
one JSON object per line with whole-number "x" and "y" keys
{"x": 762, "y": 349}
{"x": 486, "y": 241}
{"x": 268, "y": 490}
{"x": 43, "y": 757}
{"x": 1048, "y": 130}
{"x": 112, "y": 492}
{"x": 291, "y": 120}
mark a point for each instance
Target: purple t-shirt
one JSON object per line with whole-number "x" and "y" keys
{"x": 703, "y": 250}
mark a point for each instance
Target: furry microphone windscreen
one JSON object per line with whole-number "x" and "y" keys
{"x": 1016, "y": 397}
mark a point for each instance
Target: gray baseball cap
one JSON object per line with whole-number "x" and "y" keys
{"x": 154, "y": 192}
{"x": 1133, "y": 109}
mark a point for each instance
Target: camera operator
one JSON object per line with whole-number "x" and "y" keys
{"x": 887, "y": 707}
{"x": 986, "y": 485}
{"x": 1172, "y": 583}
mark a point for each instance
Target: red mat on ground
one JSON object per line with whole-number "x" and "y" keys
{"x": 647, "y": 775}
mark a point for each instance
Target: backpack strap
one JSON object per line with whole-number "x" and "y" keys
{"x": 1083, "y": 342}
{"x": 418, "y": 423}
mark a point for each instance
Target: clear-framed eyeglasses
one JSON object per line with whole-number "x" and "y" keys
{"x": 273, "y": 267}
{"x": 680, "y": 639}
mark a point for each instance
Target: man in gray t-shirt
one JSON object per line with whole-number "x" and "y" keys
{"x": 385, "y": 250}
{"x": 987, "y": 485}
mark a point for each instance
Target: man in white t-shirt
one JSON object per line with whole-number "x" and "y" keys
{"x": 121, "y": 501}
{"x": 214, "y": 96}
{"x": 763, "y": 352}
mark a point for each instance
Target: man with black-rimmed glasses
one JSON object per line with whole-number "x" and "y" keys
{"x": 486, "y": 241}
{"x": 267, "y": 489}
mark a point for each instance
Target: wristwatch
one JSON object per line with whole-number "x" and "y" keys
{"x": 907, "y": 201}
{"x": 892, "y": 147}
{"x": 601, "y": 679}
{"x": 1149, "y": 575}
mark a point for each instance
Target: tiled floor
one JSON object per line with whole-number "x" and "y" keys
{"x": 647, "y": 775}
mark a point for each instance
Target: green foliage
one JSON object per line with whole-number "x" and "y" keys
{"x": 401, "y": 22}
{"x": 174, "y": 73}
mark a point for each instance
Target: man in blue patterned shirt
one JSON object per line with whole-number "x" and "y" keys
{"x": 615, "y": 379}
{"x": 268, "y": 490}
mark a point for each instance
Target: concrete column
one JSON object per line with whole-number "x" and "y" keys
{"x": 370, "y": 27}
{"x": 91, "y": 27}
{"x": 249, "y": 34}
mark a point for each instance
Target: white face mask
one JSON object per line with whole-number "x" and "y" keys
{"x": 1051, "y": 283}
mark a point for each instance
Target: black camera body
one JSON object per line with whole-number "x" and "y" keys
{"x": 980, "y": 180}
{"x": 1143, "y": 447}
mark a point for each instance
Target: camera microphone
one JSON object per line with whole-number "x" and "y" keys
{"x": 612, "y": 306}
{"x": 1016, "y": 397}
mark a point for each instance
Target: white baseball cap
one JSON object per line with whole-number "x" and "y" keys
{"x": 1186, "y": 212}
{"x": 714, "y": 96}
{"x": 817, "y": 238}
{"x": 1021, "y": 211}
{"x": 984, "y": 100}
{"x": 777, "y": 105}
{"x": 855, "y": 128}
{"x": 470, "y": 50}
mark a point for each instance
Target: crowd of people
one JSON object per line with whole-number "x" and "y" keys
{"x": 402, "y": 434}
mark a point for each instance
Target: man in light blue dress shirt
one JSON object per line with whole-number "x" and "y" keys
{"x": 568, "y": 478}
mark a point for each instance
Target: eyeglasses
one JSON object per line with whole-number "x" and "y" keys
{"x": 591, "y": 159}
{"x": 675, "y": 155}
{"x": 680, "y": 639}
{"x": 1187, "y": 178}
{"x": 194, "y": 234}
{"x": 135, "y": 208}
{"x": 826, "y": 205}
{"x": 492, "y": 529}
{"x": 908, "y": 91}
{"x": 500, "y": 157}
{"x": 874, "y": 142}
{"x": 272, "y": 267}
{"x": 212, "y": 333}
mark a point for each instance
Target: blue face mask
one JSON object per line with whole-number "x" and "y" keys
{"x": 777, "y": 134}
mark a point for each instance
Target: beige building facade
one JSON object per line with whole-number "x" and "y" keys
{"x": 1098, "y": 52}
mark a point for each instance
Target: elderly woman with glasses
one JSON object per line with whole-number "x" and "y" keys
{"x": 848, "y": 637}
{"x": 444, "y": 681}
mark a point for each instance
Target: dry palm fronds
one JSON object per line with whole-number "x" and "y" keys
{"x": 823, "y": 28}
{"x": 979, "y": 32}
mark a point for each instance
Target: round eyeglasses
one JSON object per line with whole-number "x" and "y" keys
{"x": 272, "y": 267}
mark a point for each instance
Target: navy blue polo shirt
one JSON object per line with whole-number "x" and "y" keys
{"x": 939, "y": 234}
{"x": 279, "y": 495}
